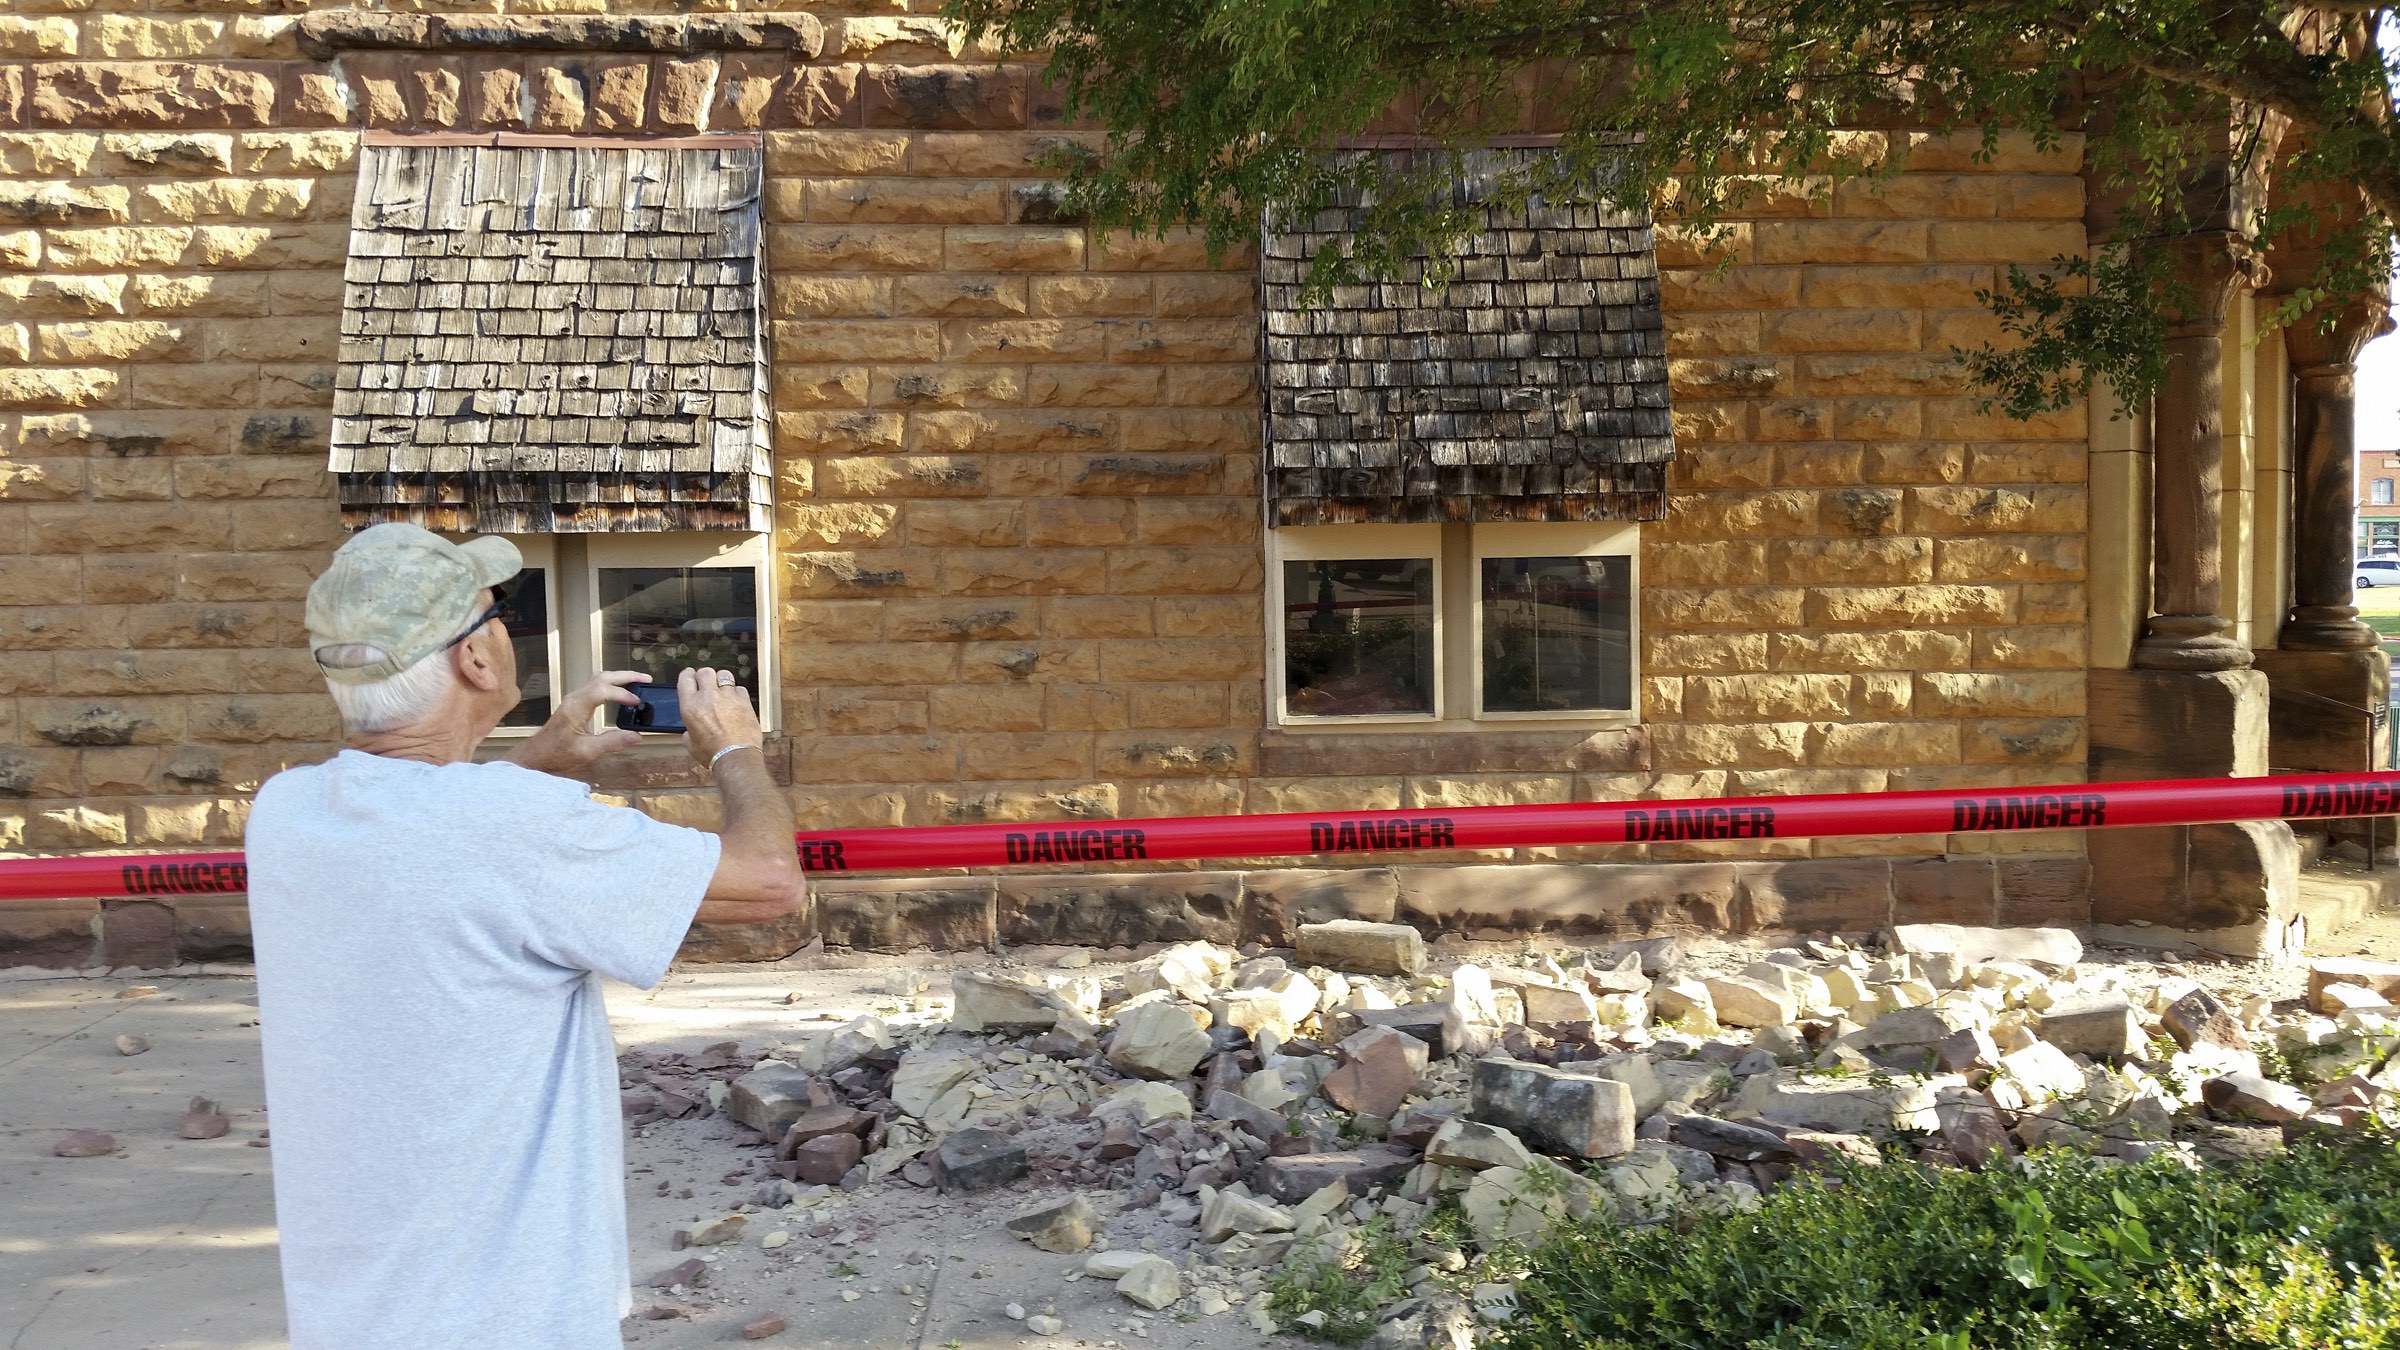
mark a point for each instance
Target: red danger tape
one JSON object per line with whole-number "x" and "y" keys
{"x": 2186, "y": 801}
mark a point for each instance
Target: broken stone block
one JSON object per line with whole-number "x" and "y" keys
{"x": 769, "y": 1098}
{"x": 760, "y": 1328}
{"x": 1817, "y": 1148}
{"x": 1802, "y": 987}
{"x": 1176, "y": 972}
{"x": 2041, "y": 1072}
{"x": 131, "y": 1045}
{"x": 1263, "y": 1124}
{"x": 851, "y": 1042}
{"x": 1730, "y": 1139}
{"x": 2100, "y": 1027}
{"x": 1743, "y": 1002}
{"x": 1299, "y": 994}
{"x": 2054, "y": 947}
{"x": 1157, "y": 1041}
{"x": 2383, "y": 977}
{"x": 1435, "y": 1024}
{"x": 1686, "y": 1002}
{"x": 2250, "y": 1096}
{"x": 1362, "y": 947}
{"x": 1295, "y": 1177}
{"x": 1550, "y": 1007}
{"x": 1149, "y": 1103}
{"x": 718, "y": 1232}
{"x": 996, "y": 1003}
{"x": 978, "y": 1159}
{"x": 1915, "y": 1028}
{"x": 1152, "y": 1282}
{"x": 1837, "y": 1106}
{"x": 1554, "y": 1111}
{"x": 1379, "y": 1071}
{"x": 821, "y": 1121}
{"x": 1966, "y": 1050}
{"x": 924, "y": 1075}
{"x": 202, "y": 1120}
{"x": 1227, "y": 1213}
{"x": 2200, "y": 1019}
{"x": 1973, "y": 1129}
{"x": 1065, "y": 1227}
{"x": 1253, "y": 1011}
{"x": 85, "y": 1144}
{"x": 2336, "y": 999}
{"x": 1508, "y": 1204}
{"x": 1474, "y": 1146}
{"x": 824, "y": 1160}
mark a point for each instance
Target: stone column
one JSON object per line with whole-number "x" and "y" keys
{"x": 2324, "y": 525}
{"x": 2189, "y": 630}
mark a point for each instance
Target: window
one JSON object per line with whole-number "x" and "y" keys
{"x": 1453, "y": 623}
{"x": 2379, "y": 492}
{"x": 660, "y": 603}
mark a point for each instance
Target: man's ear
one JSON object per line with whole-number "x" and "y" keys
{"x": 472, "y": 659}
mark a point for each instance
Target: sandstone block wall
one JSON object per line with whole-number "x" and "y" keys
{"x": 1018, "y": 517}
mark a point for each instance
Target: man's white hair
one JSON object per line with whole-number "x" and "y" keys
{"x": 387, "y": 705}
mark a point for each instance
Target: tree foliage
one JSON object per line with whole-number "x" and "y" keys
{"x": 1220, "y": 111}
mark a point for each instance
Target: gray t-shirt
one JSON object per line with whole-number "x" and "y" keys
{"x": 441, "y": 1082}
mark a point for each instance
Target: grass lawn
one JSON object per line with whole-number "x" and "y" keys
{"x": 2380, "y": 607}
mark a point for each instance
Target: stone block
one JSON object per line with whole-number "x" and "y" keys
{"x": 898, "y": 915}
{"x": 1158, "y": 1041}
{"x": 1295, "y": 1177}
{"x": 2177, "y": 724}
{"x": 1120, "y": 910}
{"x": 1063, "y": 1227}
{"x": 977, "y": 1159}
{"x": 2320, "y": 709}
{"x": 772, "y": 940}
{"x": 2104, "y": 1028}
{"x": 1813, "y": 896}
{"x": 2383, "y": 977}
{"x": 2052, "y": 947}
{"x": 1275, "y": 905}
{"x": 1945, "y": 890}
{"x": 137, "y": 933}
{"x": 1552, "y": 1110}
{"x": 59, "y": 934}
{"x": 769, "y": 1099}
{"x": 1367, "y": 948}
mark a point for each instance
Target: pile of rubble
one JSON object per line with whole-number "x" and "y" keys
{"x": 1277, "y": 1110}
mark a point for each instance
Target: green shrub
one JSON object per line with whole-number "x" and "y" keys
{"x": 2289, "y": 1250}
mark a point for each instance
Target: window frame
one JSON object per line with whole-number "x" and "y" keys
{"x": 1565, "y": 540}
{"x": 2379, "y": 492}
{"x": 571, "y": 566}
{"x": 1343, "y": 543}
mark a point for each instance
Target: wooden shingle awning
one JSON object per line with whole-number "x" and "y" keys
{"x": 1533, "y": 387}
{"x": 554, "y": 339}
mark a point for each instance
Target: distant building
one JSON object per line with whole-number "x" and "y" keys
{"x": 2378, "y": 507}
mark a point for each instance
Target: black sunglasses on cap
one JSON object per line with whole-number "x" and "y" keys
{"x": 499, "y": 607}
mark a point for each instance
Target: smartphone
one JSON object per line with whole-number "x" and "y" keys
{"x": 659, "y": 710}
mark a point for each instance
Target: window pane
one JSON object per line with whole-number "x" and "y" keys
{"x": 2381, "y": 493}
{"x": 1358, "y": 637}
{"x": 670, "y": 619}
{"x": 528, "y": 621}
{"x": 1557, "y": 634}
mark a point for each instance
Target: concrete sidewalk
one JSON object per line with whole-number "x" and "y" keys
{"x": 170, "y": 1245}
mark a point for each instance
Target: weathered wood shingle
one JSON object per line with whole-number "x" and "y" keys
{"x": 1533, "y": 387}
{"x": 554, "y": 340}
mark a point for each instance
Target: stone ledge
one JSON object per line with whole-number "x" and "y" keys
{"x": 1302, "y": 754}
{"x": 962, "y": 912}
{"x": 329, "y": 32}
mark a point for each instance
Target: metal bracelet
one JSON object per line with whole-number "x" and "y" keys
{"x": 712, "y": 759}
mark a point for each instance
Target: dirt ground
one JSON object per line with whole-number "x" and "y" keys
{"x": 170, "y": 1244}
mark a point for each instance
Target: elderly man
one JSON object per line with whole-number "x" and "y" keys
{"x": 431, "y": 935}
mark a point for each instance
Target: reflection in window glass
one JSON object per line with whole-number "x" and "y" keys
{"x": 670, "y": 619}
{"x": 1557, "y": 634}
{"x": 1358, "y": 637}
{"x": 528, "y": 621}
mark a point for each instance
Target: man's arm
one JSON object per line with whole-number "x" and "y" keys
{"x": 758, "y": 868}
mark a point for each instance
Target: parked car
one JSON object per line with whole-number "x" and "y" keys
{"x": 2378, "y": 572}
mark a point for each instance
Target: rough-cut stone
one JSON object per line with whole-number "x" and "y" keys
{"x": 822, "y": 1161}
{"x": 2042, "y": 1072}
{"x": 1064, "y": 1227}
{"x": 2250, "y": 1096}
{"x": 1473, "y": 1145}
{"x": 1973, "y": 1130}
{"x": 1549, "y": 1007}
{"x": 1729, "y": 1138}
{"x": 1158, "y": 1041}
{"x": 993, "y": 1003}
{"x": 760, "y": 1328}
{"x": 769, "y": 1098}
{"x": 719, "y": 1232}
{"x": 924, "y": 1075}
{"x": 1150, "y": 1103}
{"x": 2038, "y": 946}
{"x": 1508, "y": 1204}
{"x": 2100, "y": 1027}
{"x": 2199, "y": 1019}
{"x": 1361, "y": 947}
{"x": 1915, "y": 1028}
{"x": 1226, "y": 1214}
{"x": 1966, "y": 1050}
{"x": 1184, "y": 972}
{"x": 1152, "y": 1283}
{"x": 1295, "y": 1177}
{"x": 978, "y": 1160}
{"x": 85, "y": 1144}
{"x": 1263, "y": 1124}
{"x": 1253, "y": 1011}
{"x": 1838, "y": 1106}
{"x": 1553, "y": 1111}
{"x": 1379, "y": 1071}
{"x": 2381, "y": 976}
{"x": 1742, "y": 1002}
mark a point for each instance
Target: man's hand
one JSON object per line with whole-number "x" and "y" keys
{"x": 566, "y": 744}
{"x": 715, "y": 715}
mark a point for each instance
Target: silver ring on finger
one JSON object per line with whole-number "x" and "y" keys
{"x": 724, "y": 679}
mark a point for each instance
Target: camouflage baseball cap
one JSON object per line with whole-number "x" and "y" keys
{"x": 395, "y": 595}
